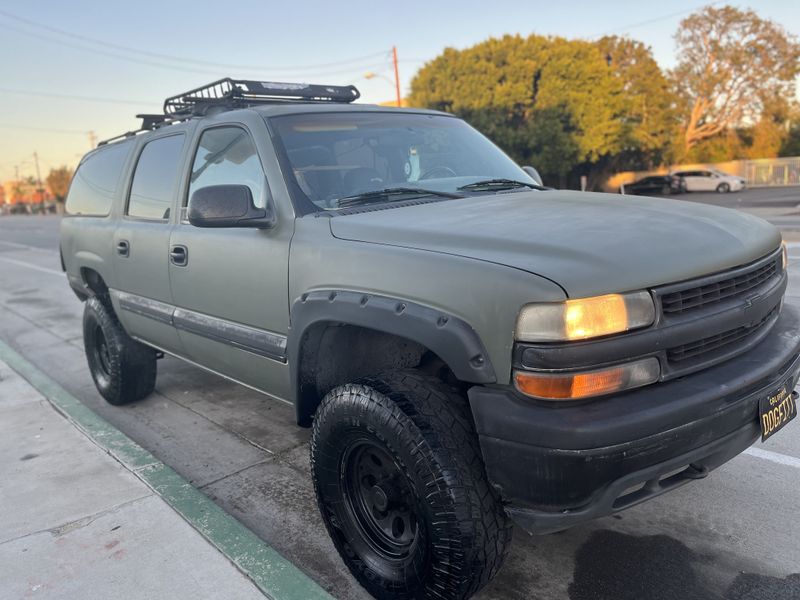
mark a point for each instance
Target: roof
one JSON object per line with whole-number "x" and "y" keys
{"x": 276, "y": 110}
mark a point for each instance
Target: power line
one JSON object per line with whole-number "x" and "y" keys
{"x": 72, "y": 97}
{"x": 173, "y": 58}
{"x": 654, "y": 20}
{"x": 162, "y": 65}
{"x": 100, "y": 52}
{"x": 46, "y": 129}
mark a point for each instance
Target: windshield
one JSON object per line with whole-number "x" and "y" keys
{"x": 384, "y": 156}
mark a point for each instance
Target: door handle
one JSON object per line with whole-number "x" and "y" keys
{"x": 123, "y": 248}
{"x": 179, "y": 255}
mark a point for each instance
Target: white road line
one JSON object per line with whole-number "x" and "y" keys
{"x": 34, "y": 267}
{"x": 776, "y": 457}
{"x": 23, "y": 246}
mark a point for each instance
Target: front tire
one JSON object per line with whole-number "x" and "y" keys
{"x": 723, "y": 188}
{"x": 402, "y": 489}
{"x": 123, "y": 369}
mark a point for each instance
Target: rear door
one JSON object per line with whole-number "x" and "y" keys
{"x": 707, "y": 182}
{"x": 231, "y": 286}
{"x": 142, "y": 293}
{"x": 693, "y": 180}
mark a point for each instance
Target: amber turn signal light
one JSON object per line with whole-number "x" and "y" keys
{"x": 587, "y": 384}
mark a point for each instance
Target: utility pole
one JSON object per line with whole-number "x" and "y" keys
{"x": 38, "y": 175}
{"x": 39, "y": 187}
{"x": 92, "y": 140}
{"x": 396, "y": 75}
{"x": 16, "y": 172}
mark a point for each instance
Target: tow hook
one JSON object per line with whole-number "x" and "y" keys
{"x": 696, "y": 472}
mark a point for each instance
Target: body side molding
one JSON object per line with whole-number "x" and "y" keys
{"x": 258, "y": 341}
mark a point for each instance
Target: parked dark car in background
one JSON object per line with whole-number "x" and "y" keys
{"x": 655, "y": 184}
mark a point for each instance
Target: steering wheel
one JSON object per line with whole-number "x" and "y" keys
{"x": 440, "y": 168}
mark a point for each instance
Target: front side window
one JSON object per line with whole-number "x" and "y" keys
{"x": 155, "y": 178}
{"x": 227, "y": 156}
{"x": 338, "y": 155}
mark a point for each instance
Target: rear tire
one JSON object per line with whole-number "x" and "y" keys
{"x": 723, "y": 188}
{"x": 402, "y": 488}
{"x": 123, "y": 369}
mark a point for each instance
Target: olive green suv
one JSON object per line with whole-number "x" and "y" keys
{"x": 470, "y": 348}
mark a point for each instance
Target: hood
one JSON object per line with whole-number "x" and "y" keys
{"x": 588, "y": 243}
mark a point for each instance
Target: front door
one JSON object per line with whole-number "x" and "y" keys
{"x": 230, "y": 285}
{"x": 141, "y": 289}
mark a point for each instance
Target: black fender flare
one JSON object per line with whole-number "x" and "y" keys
{"x": 451, "y": 338}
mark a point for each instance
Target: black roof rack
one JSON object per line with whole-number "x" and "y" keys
{"x": 236, "y": 93}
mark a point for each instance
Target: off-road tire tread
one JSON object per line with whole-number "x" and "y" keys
{"x": 133, "y": 365}
{"x": 474, "y": 534}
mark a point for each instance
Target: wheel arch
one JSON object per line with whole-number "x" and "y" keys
{"x": 394, "y": 329}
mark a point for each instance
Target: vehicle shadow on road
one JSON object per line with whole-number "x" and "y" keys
{"x": 616, "y": 566}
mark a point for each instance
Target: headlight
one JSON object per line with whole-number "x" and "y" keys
{"x": 784, "y": 255}
{"x": 584, "y": 318}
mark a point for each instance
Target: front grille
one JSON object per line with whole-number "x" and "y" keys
{"x": 696, "y": 297}
{"x": 718, "y": 342}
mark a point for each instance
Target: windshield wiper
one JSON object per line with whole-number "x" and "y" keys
{"x": 500, "y": 184}
{"x": 377, "y": 195}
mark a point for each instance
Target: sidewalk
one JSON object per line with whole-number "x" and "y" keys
{"x": 86, "y": 513}
{"x": 77, "y": 524}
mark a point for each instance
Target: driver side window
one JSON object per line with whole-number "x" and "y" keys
{"x": 227, "y": 155}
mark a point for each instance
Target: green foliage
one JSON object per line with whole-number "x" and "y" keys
{"x": 575, "y": 107}
{"x": 791, "y": 144}
{"x": 651, "y": 116}
{"x": 552, "y": 102}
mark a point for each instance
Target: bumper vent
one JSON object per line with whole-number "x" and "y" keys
{"x": 711, "y": 293}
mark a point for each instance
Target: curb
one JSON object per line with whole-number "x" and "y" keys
{"x": 275, "y": 576}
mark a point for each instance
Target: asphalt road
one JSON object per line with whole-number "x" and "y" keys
{"x": 780, "y": 206}
{"x": 732, "y": 536}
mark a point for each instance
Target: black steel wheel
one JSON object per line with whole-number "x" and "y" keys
{"x": 380, "y": 503}
{"x": 101, "y": 357}
{"x": 123, "y": 369}
{"x": 402, "y": 488}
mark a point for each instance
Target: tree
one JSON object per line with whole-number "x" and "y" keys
{"x": 651, "y": 118}
{"x": 546, "y": 100}
{"x": 729, "y": 62}
{"x": 58, "y": 181}
{"x": 568, "y": 107}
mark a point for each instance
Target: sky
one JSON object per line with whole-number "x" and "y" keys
{"x": 116, "y": 59}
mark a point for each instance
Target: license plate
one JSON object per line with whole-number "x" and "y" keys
{"x": 776, "y": 410}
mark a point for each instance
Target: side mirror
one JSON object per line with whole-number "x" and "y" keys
{"x": 227, "y": 206}
{"x": 533, "y": 174}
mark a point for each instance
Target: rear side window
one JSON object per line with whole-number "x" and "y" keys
{"x": 155, "y": 179}
{"x": 95, "y": 183}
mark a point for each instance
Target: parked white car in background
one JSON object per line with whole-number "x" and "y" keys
{"x": 710, "y": 180}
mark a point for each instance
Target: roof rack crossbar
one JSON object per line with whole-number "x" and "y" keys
{"x": 239, "y": 93}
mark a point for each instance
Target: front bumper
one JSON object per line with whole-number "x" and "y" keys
{"x": 558, "y": 465}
